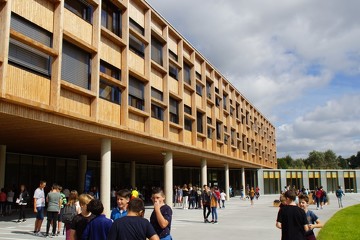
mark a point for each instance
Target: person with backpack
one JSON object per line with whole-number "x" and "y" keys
{"x": 79, "y": 222}
{"x": 54, "y": 204}
{"x": 70, "y": 210}
{"x": 339, "y": 193}
{"x": 22, "y": 201}
{"x": 63, "y": 204}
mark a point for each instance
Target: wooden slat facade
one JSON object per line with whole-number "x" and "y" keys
{"x": 246, "y": 138}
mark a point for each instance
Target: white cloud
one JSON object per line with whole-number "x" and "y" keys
{"x": 283, "y": 57}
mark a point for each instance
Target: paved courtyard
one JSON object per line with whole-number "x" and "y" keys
{"x": 238, "y": 220}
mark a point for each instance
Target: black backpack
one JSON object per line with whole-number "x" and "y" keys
{"x": 68, "y": 213}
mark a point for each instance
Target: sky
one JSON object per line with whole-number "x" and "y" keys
{"x": 297, "y": 62}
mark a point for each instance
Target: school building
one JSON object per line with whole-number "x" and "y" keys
{"x": 107, "y": 93}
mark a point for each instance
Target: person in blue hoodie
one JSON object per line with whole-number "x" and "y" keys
{"x": 98, "y": 227}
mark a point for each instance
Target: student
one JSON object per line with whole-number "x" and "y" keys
{"x": 39, "y": 205}
{"x": 313, "y": 220}
{"x": 134, "y": 225}
{"x": 161, "y": 216}
{"x": 54, "y": 205}
{"x": 73, "y": 203}
{"x": 123, "y": 197}
{"x": 22, "y": 201}
{"x": 291, "y": 219}
{"x": 213, "y": 205}
{"x": 80, "y": 221}
{"x": 223, "y": 198}
{"x": 252, "y": 195}
{"x": 64, "y": 202}
{"x": 205, "y": 202}
{"x": 339, "y": 193}
{"x": 99, "y": 227}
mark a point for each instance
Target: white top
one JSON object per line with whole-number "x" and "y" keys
{"x": 222, "y": 196}
{"x": 39, "y": 195}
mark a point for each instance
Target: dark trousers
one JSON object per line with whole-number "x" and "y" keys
{"x": 51, "y": 217}
{"x": 206, "y": 207}
{"x": 22, "y": 212}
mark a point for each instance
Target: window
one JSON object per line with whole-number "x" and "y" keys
{"x": 173, "y": 55}
{"x": 232, "y": 137}
{"x": 136, "y": 93}
{"x": 136, "y": 46}
{"x": 199, "y": 89}
{"x": 157, "y": 94}
{"x": 111, "y": 17}
{"x": 225, "y": 101}
{"x": 157, "y": 112}
{"x": 25, "y": 56}
{"x": 188, "y": 124}
{"x": 174, "y": 111}
{"x": 197, "y": 75}
{"x": 217, "y": 90}
{"x": 75, "y": 65}
{"x": 137, "y": 27}
{"x": 187, "y": 109}
{"x": 187, "y": 74}
{"x": 208, "y": 89}
{"x": 81, "y": 8}
{"x": 218, "y": 130}
{"x": 156, "y": 51}
{"x": 217, "y": 101}
{"x": 209, "y": 132}
{"x": 173, "y": 71}
{"x": 109, "y": 92}
{"x": 209, "y": 120}
{"x": 110, "y": 70}
{"x": 199, "y": 122}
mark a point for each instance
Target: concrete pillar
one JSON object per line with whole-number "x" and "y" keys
{"x": 282, "y": 179}
{"x": 243, "y": 179}
{"x": 357, "y": 183}
{"x": 2, "y": 165}
{"x": 341, "y": 180}
{"x": 203, "y": 172}
{"x": 168, "y": 178}
{"x": 133, "y": 174}
{"x": 323, "y": 180}
{"x": 260, "y": 180}
{"x": 105, "y": 175}
{"x": 82, "y": 172}
{"x": 305, "y": 176}
{"x": 227, "y": 181}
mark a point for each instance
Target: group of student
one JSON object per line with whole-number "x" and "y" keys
{"x": 296, "y": 221}
{"x": 88, "y": 221}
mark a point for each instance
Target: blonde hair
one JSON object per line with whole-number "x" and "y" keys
{"x": 84, "y": 199}
{"x": 73, "y": 197}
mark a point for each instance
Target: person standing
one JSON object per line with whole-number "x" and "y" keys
{"x": 291, "y": 219}
{"x": 73, "y": 203}
{"x": 223, "y": 198}
{"x": 39, "y": 205}
{"x": 185, "y": 195}
{"x": 319, "y": 197}
{"x": 161, "y": 216}
{"x": 205, "y": 202}
{"x": 134, "y": 225}
{"x": 214, "y": 204}
{"x": 80, "y": 221}
{"x": 2, "y": 202}
{"x": 339, "y": 193}
{"x": 252, "y": 195}
{"x": 123, "y": 197}
{"x": 22, "y": 201}
{"x": 99, "y": 227}
{"x": 257, "y": 192}
{"x": 54, "y": 205}
{"x": 10, "y": 201}
{"x": 313, "y": 220}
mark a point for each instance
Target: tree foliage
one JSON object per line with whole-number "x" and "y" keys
{"x": 320, "y": 160}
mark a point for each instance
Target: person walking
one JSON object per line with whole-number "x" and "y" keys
{"x": 252, "y": 195}
{"x": 339, "y": 193}
{"x": 22, "y": 201}
{"x": 214, "y": 204}
{"x": 161, "y": 216}
{"x": 39, "y": 205}
{"x": 291, "y": 219}
{"x": 319, "y": 197}
{"x": 205, "y": 202}
{"x": 54, "y": 201}
{"x": 223, "y": 198}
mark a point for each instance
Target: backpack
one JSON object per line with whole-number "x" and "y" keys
{"x": 68, "y": 213}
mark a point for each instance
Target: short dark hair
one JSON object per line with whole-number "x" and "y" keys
{"x": 125, "y": 193}
{"x": 290, "y": 194}
{"x": 304, "y": 197}
{"x": 136, "y": 205}
{"x": 158, "y": 190}
{"x": 96, "y": 207}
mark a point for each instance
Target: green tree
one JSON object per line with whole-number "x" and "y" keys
{"x": 354, "y": 161}
{"x": 299, "y": 164}
{"x": 330, "y": 160}
{"x": 316, "y": 160}
{"x": 343, "y": 163}
{"x": 285, "y": 162}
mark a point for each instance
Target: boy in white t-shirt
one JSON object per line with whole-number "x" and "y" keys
{"x": 223, "y": 198}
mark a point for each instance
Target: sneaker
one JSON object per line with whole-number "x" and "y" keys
{"x": 24, "y": 220}
{"x": 39, "y": 234}
{"x": 216, "y": 222}
{"x": 18, "y": 221}
{"x": 212, "y": 221}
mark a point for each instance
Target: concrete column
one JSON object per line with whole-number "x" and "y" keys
{"x": 168, "y": 178}
{"x": 305, "y": 175}
{"x": 260, "y": 180}
{"x": 227, "y": 181}
{"x": 323, "y": 180}
{"x": 341, "y": 180}
{"x": 243, "y": 179}
{"x": 357, "y": 183}
{"x": 2, "y": 165}
{"x": 133, "y": 174}
{"x": 105, "y": 175}
{"x": 282, "y": 179}
{"x": 203, "y": 172}
{"x": 82, "y": 172}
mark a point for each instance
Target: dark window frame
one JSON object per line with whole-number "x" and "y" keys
{"x": 80, "y": 8}
{"x": 173, "y": 71}
{"x": 136, "y": 46}
{"x": 188, "y": 124}
{"x": 111, "y": 17}
{"x": 157, "y": 94}
{"x": 173, "y": 56}
{"x": 115, "y": 92}
{"x": 157, "y": 47}
{"x": 199, "y": 122}
{"x": 187, "y": 109}
{"x": 174, "y": 110}
{"x": 157, "y": 112}
{"x": 136, "y": 26}
{"x": 135, "y": 100}
{"x": 199, "y": 89}
{"x": 187, "y": 74}
{"x": 110, "y": 70}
